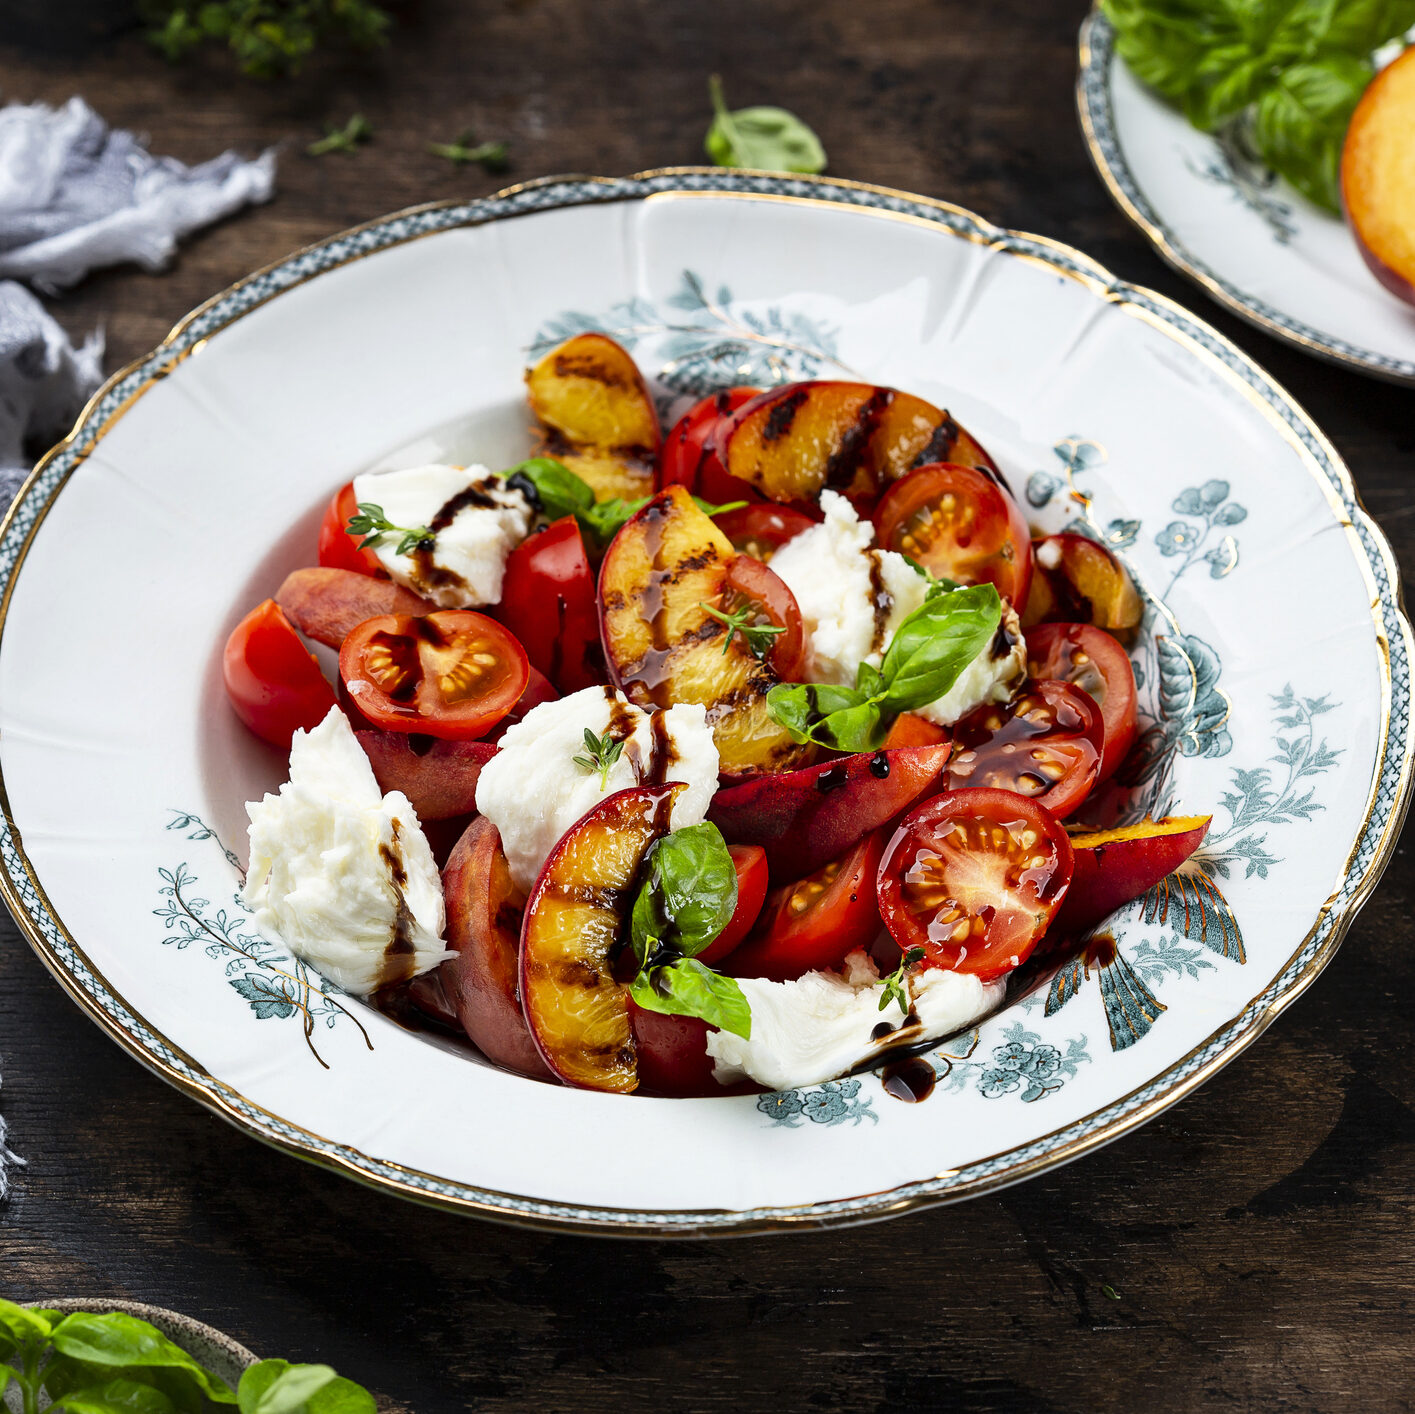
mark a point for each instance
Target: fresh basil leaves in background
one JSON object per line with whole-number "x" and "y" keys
{"x": 1283, "y": 75}
{"x": 765, "y": 139}
{"x": 114, "y": 1363}
{"x": 928, "y": 652}
{"x": 687, "y": 899}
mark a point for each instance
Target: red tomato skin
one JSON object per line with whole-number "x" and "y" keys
{"x": 548, "y": 602}
{"x": 752, "y": 879}
{"x": 994, "y": 958}
{"x": 272, "y": 679}
{"x": 784, "y": 945}
{"x": 338, "y": 550}
{"x": 763, "y": 523}
{"x": 753, "y": 580}
{"x": 1050, "y": 648}
{"x": 672, "y": 1054}
{"x": 689, "y": 458}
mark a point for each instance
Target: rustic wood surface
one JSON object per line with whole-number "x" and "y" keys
{"x": 1258, "y": 1238}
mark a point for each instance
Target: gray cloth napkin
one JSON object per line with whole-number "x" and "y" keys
{"x": 74, "y": 195}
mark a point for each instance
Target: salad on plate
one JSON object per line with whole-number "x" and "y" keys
{"x": 742, "y": 756}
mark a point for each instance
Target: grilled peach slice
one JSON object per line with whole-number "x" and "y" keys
{"x": 1076, "y": 580}
{"x": 804, "y": 819}
{"x": 1378, "y": 176}
{"x": 1114, "y": 866}
{"x": 663, "y": 647}
{"x": 596, "y": 415}
{"x": 324, "y": 604}
{"x": 792, "y": 442}
{"x": 577, "y": 1012}
{"x": 484, "y": 928}
{"x": 438, "y": 777}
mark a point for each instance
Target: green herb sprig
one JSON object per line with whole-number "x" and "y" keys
{"x": 1281, "y": 77}
{"x": 928, "y": 652}
{"x": 345, "y": 139}
{"x": 109, "y": 1363}
{"x": 490, "y": 156}
{"x": 601, "y": 752}
{"x": 757, "y": 637}
{"x": 896, "y": 987}
{"x": 688, "y": 897}
{"x": 373, "y": 525}
{"x": 767, "y": 139}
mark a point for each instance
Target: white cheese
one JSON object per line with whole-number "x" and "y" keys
{"x": 468, "y": 555}
{"x": 341, "y": 874}
{"x": 533, "y": 791}
{"x": 852, "y": 598}
{"x": 994, "y": 675}
{"x": 820, "y": 1026}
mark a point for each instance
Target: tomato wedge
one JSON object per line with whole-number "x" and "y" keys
{"x": 688, "y": 456}
{"x": 750, "y": 585}
{"x": 761, "y": 529}
{"x": 272, "y": 679}
{"x": 452, "y": 674}
{"x": 1046, "y": 743}
{"x": 814, "y": 922}
{"x": 973, "y": 877}
{"x": 749, "y": 860}
{"x": 959, "y": 524}
{"x": 1089, "y": 658}
{"x": 548, "y": 602}
{"x": 338, "y": 550}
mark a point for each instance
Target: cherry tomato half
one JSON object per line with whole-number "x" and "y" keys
{"x": 688, "y": 458}
{"x": 973, "y": 877}
{"x": 272, "y": 679}
{"x": 1089, "y": 658}
{"x": 338, "y": 550}
{"x": 749, "y": 860}
{"x": 548, "y": 602}
{"x": 910, "y": 729}
{"x": 814, "y": 922}
{"x": 761, "y": 529}
{"x": 749, "y": 584}
{"x": 1045, "y": 743}
{"x": 959, "y": 524}
{"x": 453, "y": 674}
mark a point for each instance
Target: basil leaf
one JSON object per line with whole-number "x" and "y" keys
{"x": 23, "y": 1324}
{"x": 933, "y": 646}
{"x": 1356, "y": 27}
{"x": 551, "y": 487}
{"x": 118, "y": 1339}
{"x": 270, "y": 1386}
{"x": 689, "y": 895}
{"x": 7, "y": 1373}
{"x": 840, "y": 718}
{"x": 767, "y": 139}
{"x": 1300, "y": 124}
{"x": 122, "y": 1396}
{"x": 688, "y": 988}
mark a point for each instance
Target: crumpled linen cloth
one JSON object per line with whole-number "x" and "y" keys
{"x": 74, "y": 195}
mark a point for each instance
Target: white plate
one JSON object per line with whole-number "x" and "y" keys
{"x": 1256, "y": 244}
{"x": 195, "y": 480}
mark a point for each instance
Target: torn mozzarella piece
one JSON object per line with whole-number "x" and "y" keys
{"x": 340, "y": 873}
{"x": 822, "y": 1024}
{"x": 476, "y": 520}
{"x": 532, "y": 790}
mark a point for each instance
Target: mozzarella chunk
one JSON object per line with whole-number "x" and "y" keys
{"x": 852, "y": 597}
{"x": 533, "y": 791}
{"x": 821, "y": 1025}
{"x": 476, "y": 522}
{"x": 341, "y": 874}
{"x": 994, "y": 675}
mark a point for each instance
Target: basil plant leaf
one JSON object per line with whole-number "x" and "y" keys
{"x": 767, "y": 139}
{"x": 7, "y": 1373}
{"x": 933, "y": 646}
{"x": 689, "y": 895}
{"x": 121, "y": 1396}
{"x": 115, "y": 1338}
{"x": 841, "y": 718}
{"x": 21, "y": 1325}
{"x": 277, "y": 1387}
{"x": 551, "y": 487}
{"x": 1356, "y": 27}
{"x": 688, "y": 988}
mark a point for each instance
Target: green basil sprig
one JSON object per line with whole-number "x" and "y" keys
{"x": 113, "y": 1363}
{"x": 1283, "y": 76}
{"x": 766, "y": 139}
{"x": 687, "y": 899}
{"x": 556, "y": 491}
{"x": 928, "y": 652}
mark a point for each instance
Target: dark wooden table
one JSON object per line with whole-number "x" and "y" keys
{"x": 1258, "y": 1237}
